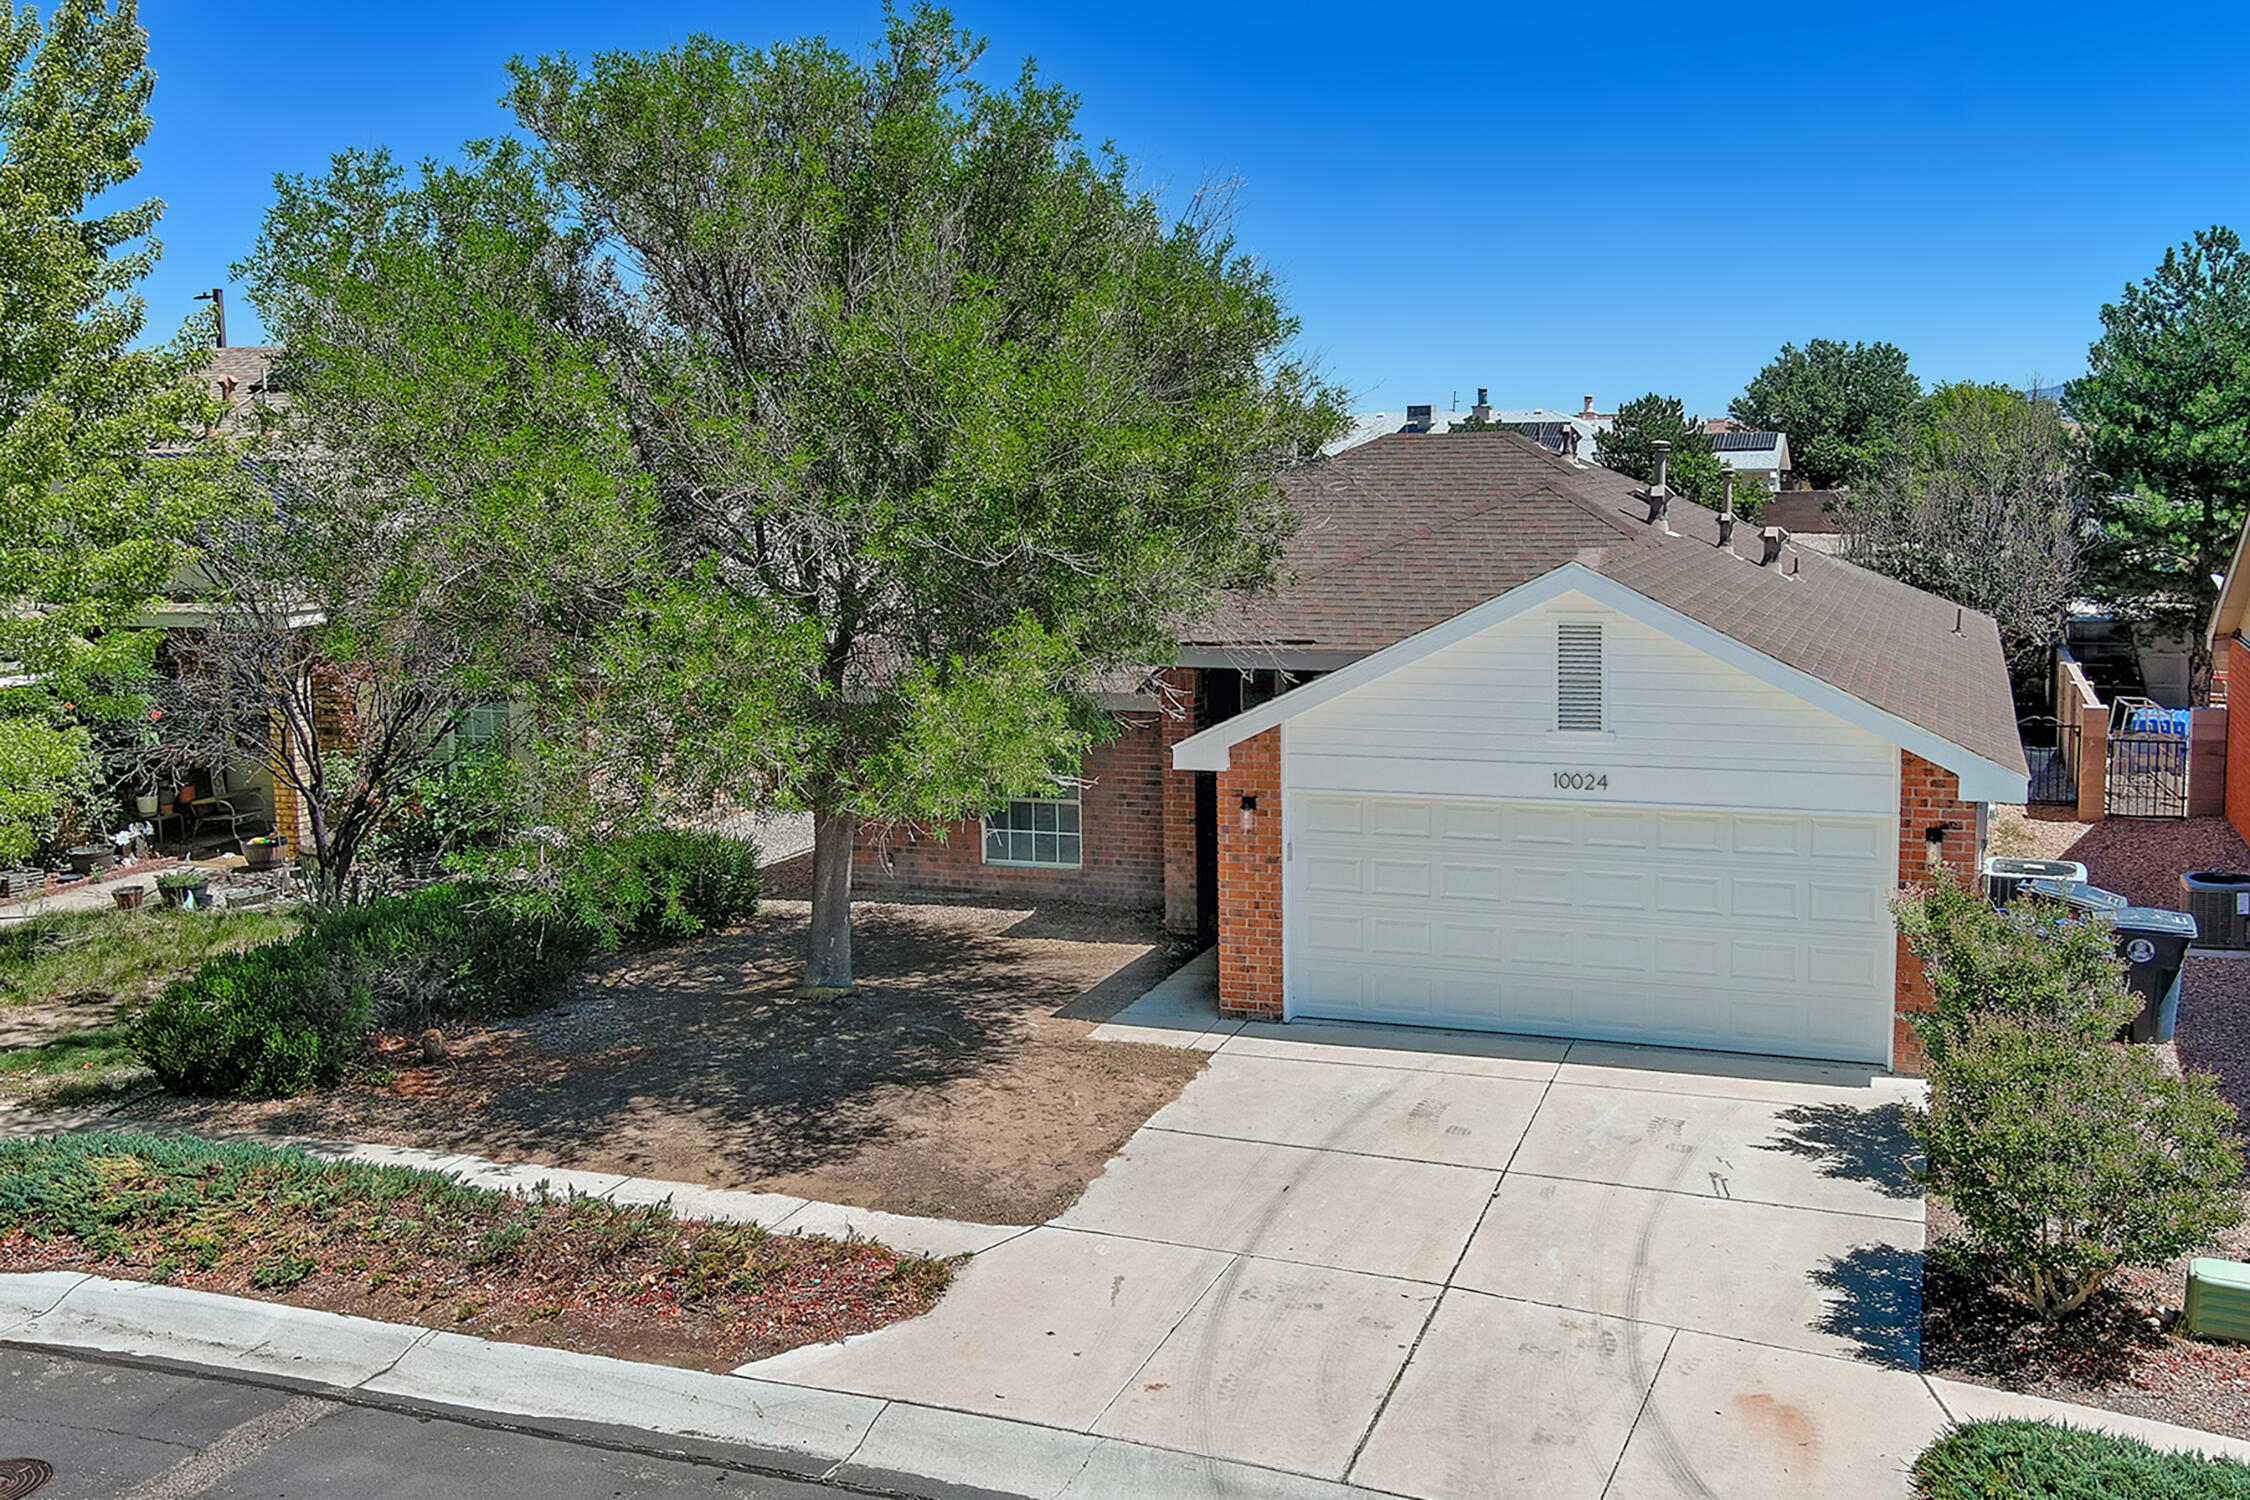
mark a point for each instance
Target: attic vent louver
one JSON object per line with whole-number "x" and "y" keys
{"x": 1578, "y": 678}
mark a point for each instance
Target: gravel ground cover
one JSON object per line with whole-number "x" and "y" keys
{"x": 2119, "y": 1352}
{"x": 417, "y": 1247}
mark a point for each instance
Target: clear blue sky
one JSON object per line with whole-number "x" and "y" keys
{"x": 1549, "y": 202}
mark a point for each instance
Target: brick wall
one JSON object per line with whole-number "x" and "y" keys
{"x": 1177, "y": 693}
{"x": 1122, "y": 813}
{"x": 2237, "y": 658}
{"x": 1250, "y": 880}
{"x": 1929, "y": 797}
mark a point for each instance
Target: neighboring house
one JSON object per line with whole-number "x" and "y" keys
{"x": 1763, "y": 456}
{"x": 1506, "y": 754}
{"x": 1576, "y": 433}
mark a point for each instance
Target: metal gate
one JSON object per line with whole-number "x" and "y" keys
{"x": 2148, "y": 760}
{"x": 2050, "y": 748}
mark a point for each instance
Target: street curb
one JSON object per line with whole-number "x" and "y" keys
{"x": 861, "y": 1443}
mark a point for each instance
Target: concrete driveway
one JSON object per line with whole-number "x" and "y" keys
{"x": 1440, "y": 1264}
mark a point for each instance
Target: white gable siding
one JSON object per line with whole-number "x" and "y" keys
{"x": 1681, "y": 729}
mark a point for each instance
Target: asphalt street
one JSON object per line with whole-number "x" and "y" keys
{"x": 115, "y": 1431}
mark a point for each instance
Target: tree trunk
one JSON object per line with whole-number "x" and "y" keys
{"x": 828, "y": 965}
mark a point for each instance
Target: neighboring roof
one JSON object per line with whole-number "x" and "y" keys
{"x": 1805, "y": 512}
{"x": 1368, "y": 426}
{"x": 1409, "y": 531}
{"x": 242, "y": 375}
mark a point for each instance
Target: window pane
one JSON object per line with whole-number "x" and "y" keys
{"x": 1043, "y": 816}
{"x": 1044, "y": 848}
{"x": 1066, "y": 817}
{"x": 995, "y": 843}
{"x": 1019, "y": 847}
{"x": 1066, "y": 849}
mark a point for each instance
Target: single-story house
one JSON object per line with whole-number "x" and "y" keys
{"x": 1761, "y": 456}
{"x": 1519, "y": 748}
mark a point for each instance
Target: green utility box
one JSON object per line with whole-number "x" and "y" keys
{"x": 2218, "y": 1300}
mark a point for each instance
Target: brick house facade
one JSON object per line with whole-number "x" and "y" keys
{"x": 1929, "y": 802}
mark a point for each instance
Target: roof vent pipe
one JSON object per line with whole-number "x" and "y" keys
{"x": 1773, "y": 537}
{"x": 1588, "y": 409}
{"x": 1482, "y": 411}
{"x": 1658, "y": 496}
{"x": 1727, "y": 516}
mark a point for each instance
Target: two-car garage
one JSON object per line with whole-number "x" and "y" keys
{"x": 1735, "y": 931}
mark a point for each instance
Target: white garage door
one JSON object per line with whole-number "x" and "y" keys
{"x": 1740, "y": 932}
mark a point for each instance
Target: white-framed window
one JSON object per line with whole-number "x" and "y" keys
{"x": 1038, "y": 831}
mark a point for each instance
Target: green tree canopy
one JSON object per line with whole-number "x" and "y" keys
{"x": 1693, "y": 470}
{"x": 924, "y": 416}
{"x": 1980, "y": 504}
{"x": 1841, "y": 405}
{"x": 2166, "y": 403}
{"x": 89, "y": 517}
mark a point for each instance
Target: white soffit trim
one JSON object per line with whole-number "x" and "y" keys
{"x": 1982, "y": 780}
{"x": 2226, "y": 615}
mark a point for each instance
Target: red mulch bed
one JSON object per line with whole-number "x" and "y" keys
{"x": 627, "y": 1283}
{"x": 2116, "y": 1354}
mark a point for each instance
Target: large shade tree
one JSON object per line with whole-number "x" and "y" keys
{"x": 1980, "y": 504}
{"x": 929, "y": 416}
{"x": 2166, "y": 404}
{"x": 1842, "y": 405}
{"x": 90, "y": 515}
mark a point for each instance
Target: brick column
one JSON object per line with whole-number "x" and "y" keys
{"x": 1250, "y": 880}
{"x": 1177, "y": 691}
{"x": 1929, "y": 797}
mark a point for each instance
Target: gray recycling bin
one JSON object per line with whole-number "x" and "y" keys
{"x": 2087, "y": 900}
{"x": 2153, "y": 942}
{"x": 2003, "y": 876}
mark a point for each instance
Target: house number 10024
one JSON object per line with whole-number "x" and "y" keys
{"x": 1581, "y": 781}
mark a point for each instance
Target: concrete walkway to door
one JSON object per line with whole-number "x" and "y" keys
{"x": 1446, "y": 1264}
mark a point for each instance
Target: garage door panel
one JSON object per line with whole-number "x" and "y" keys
{"x": 1764, "y": 900}
{"x": 1613, "y": 890}
{"x": 1618, "y": 830}
{"x": 1480, "y": 822}
{"x": 1398, "y": 877}
{"x": 1399, "y": 819}
{"x": 1749, "y": 932}
{"x": 1691, "y": 833}
{"x": 1541, "y": 825}
{"x": 1539, "y": 885}
{"x": 1457, "y": 882}
{"x": 1835, "y": 838}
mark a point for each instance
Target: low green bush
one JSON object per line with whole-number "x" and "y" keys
{"x": 658, "y": 884}
{"x": 2066, "y": 1155}
{"x": 290, "y": 1016}
{"x": 2046, "y": 1461}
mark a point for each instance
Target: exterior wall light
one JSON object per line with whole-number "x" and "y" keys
{"x": 1249, "y": 813}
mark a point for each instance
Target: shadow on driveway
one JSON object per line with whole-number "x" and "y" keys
{"x": 1875, "y": 1300}
{"x": 1870, "y": 1145}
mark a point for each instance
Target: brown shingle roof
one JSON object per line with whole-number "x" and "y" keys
{"x": 1411, "y": 529}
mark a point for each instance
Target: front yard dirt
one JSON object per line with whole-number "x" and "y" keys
{"x": 955, "y": 1081}
{"x": 2116, "y": 1353}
